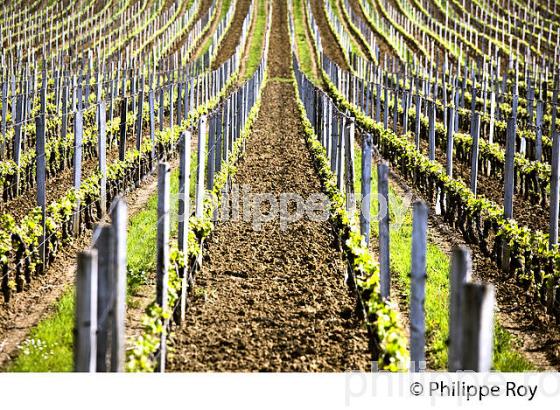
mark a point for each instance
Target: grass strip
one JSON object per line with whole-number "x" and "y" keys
{"x": 257, "y": 41}
{"x": 506, "y": 358}
{"x": 49, "y": 346}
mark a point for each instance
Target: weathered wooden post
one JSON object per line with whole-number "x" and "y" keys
{"x": 139, "y": 116}
{"x": 85, "y": 331}
{"x": 184, "y": 214}
{"x": 102, "y": 155}
{"x": 417, "y": 120}
{"x": 211, "y": 151}
{"x": 405, "y": 112}
{"x": 509, "y": 184}
{"x": 539, "y": 130}
{"x": 102, "y": 243}
{"x": 341, "y": 155}
{"x": 386, "y": 110}
{"x": 418, "y": 286}
{"x": 509, "y": 175}
{"x": 384, "y": 233}
{"x": 450, "y": 133}
{"x": 78, "y": 149}
{"x": 365, "y": 214}
{"x": 475, "y": 134}
{"x": 40, "y": 142}
{"x": 335, "y": 128}
{"x": 432, "y": 131}
{"x": 554, "y": 189}
{"x": 122, "y": 139}
{"x": 119, "y": 223}
{"x": 478, "y": 327}
{"x": 161, "y": 116}
{"x": 162, "y": 262}
{"x": 460, "y": 274}
{"x": 3, "y": 125}
{"x": 349, "y": 155}
{"x": 378, "y": 103}
{"x": 199, "y": 209}
{"x": 16, "y": 151}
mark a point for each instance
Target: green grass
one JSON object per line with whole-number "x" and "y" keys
{"x": 506, "y": 358}
{"x": 256, "y": 41}
{"x": 304, "y": 50}
{"x": 49, "y": 347}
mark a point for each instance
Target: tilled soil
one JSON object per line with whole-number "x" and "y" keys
{"x": 345, "y": 20}
{"x": 233, "y": 35}
{"x": 273, "y": 300}
{"x": 328, "y": 40}
{"x": 384, "y": 47}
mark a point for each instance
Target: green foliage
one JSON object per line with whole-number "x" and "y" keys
{"x": 383, "y": 319}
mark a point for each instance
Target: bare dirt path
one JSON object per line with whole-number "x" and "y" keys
{"x": 384, "y": 47}
{"x": 273, "y": 300}
{"x": 330, "y": 45}
{"x": 233, "y": 35}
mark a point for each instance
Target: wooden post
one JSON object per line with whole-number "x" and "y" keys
{"x": 139, "y": 118}
{"x": 417, "y": 285}
{"x": 184, "y": 214}
{"x": 341, "y": 155}
{"x": 219, "y": 141}
{"x": 17, "y": 138}
{"x": 432, "y": 131}
{"x": 378, "y": 103}
{"x": 122, "y": 140}
{"x": 384, "y": 233}
{"x": 171, "y": 106}
{"x": 386, "y": 110}
{"x": 3, "y": 126}
{"x": 211, "y": 151}
{"x": 64, "y": 125}
{"x": 199, "y": 209}
{"x": 41, "y": 184}
{"x": 475, "y": 134}
{"x": 478, "y": 327}
{"x": 395, "y": 111}
{"x": 162, "y": 262}
{"x": 102, "y": 155}
{"x": 161, "y": 106}
{"x": 349, "y": 154}
{"x": 118, "y": 270}
{"x": 450, "y": 133}
{"x": 152, "y": 127}
{"x": 554, "y": 189}
{"x": 460, "y": 274}
{"x": 335, "y": 129}
{"x": 417, "y": 119}
{"x": 539, "y": 131}
{"x": 85, "y": 332}
{"x": 509, "y": 176}
{"x": 78, "y": 149}
{"x": 405, "y": 112}
{"x": 365, "y": 214}
{"x": 102, "y": 243}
